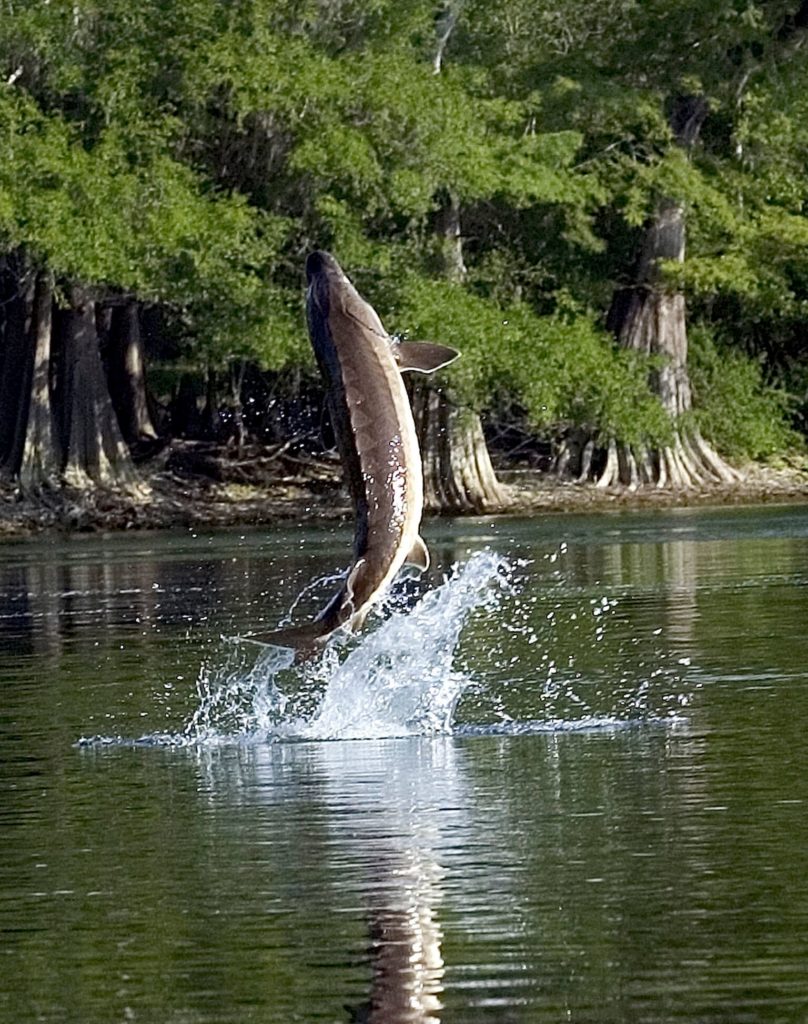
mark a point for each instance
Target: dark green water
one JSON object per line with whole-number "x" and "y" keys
{"x": 616, "y": 830}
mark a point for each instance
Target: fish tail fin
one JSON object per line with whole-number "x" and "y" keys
{"x": 305, "y": 640}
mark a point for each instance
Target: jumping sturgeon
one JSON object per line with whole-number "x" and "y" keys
{"x": 370, "y": 412}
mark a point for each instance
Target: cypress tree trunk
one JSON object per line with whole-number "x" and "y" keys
{"x": 444, "y": 26}
{"x": 183, "y": 411}
{"x": 16, "y": 363}
{"x": 39, "y": 467}
{"x": 95, "y": 453}
{"x": 458, "y": 475}
{"x": 126, "y": 371}
{"x": 238, "y": 369}
{"x": 450, "y": 239}
{"x": 211, "y": 417}
{"x": 650, "y": 318}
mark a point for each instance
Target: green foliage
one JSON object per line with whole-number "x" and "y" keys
{"x": 147, "y": 225}
{"x": 743, "y": 416}
{"x": 560, "y": 369}
{"x": 192, "y": 152}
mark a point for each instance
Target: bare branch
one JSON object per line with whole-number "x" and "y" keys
{"x": 445, "y": 25}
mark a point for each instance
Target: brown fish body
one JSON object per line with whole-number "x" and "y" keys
{"x": 376, "y": 438}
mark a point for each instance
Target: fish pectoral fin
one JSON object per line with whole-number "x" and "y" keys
{"x": 348, "y": 603}
{"x": 423, "y": 356}
{"x": 419, "y": 556}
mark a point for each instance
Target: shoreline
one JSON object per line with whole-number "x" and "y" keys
{"x": 199, "y": 486}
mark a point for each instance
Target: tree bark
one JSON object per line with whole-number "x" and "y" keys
{"x": 95, "y": 453}
{"x": 650, "y": 318}
{"x": 238, "y": 369}
{"x": 16, "y": 364}
{"x": 444, "y": 26}
{"x": 185, "y": 419}
{"x": 450, "y": 239}
{"x": 126, "y": 371}
{"x": 458, "y": 475}
{"x": 211, "y": 417}
{"x": 39, "y": 467}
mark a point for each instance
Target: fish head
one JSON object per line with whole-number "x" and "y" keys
{"x": 320, "y": 263}
{"x": 324, "y": 277}
{"x": 331, "y": 293}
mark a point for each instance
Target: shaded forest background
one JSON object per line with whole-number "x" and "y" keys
{"x": 603, "y": 206}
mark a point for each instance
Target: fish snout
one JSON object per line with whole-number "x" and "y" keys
{"x": 319, "y": 262}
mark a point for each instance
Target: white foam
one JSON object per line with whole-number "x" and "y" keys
{"x": 403, "y": 678}
{"x": 399, "y": 680}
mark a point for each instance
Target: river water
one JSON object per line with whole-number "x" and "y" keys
{"x": 562, "y": 778}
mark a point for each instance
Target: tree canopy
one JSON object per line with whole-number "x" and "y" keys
{"x": 190, "y": 153}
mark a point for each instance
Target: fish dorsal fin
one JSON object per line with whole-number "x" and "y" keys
{"x": 419, "y": 555}
{"x": 423, "y": 356}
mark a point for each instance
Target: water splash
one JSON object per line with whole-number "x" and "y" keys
{"x": 241, "y": 696}
{"x": 397, "y": 681}
{"x": 407, "y": 677}
{"x": 402, "y": 680}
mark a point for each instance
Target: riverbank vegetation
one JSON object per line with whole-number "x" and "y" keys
{"x": 603, "y": 208}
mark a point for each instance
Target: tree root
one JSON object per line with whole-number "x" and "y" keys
{"x": 689, "y": 462}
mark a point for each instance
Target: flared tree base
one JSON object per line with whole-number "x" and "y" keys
{"x": 688, "y": 463}
{"x": 458, "y": 475}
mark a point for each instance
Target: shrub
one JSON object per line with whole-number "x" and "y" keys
{"x": 734, "y": 407}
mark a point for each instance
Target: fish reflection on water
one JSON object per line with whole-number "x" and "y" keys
{"x": 402, "y": 881}
{"x": 394, "y": 809}
{"x": 406, "y": 962}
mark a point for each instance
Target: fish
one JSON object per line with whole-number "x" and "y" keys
{"x": 370, "y": 413}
